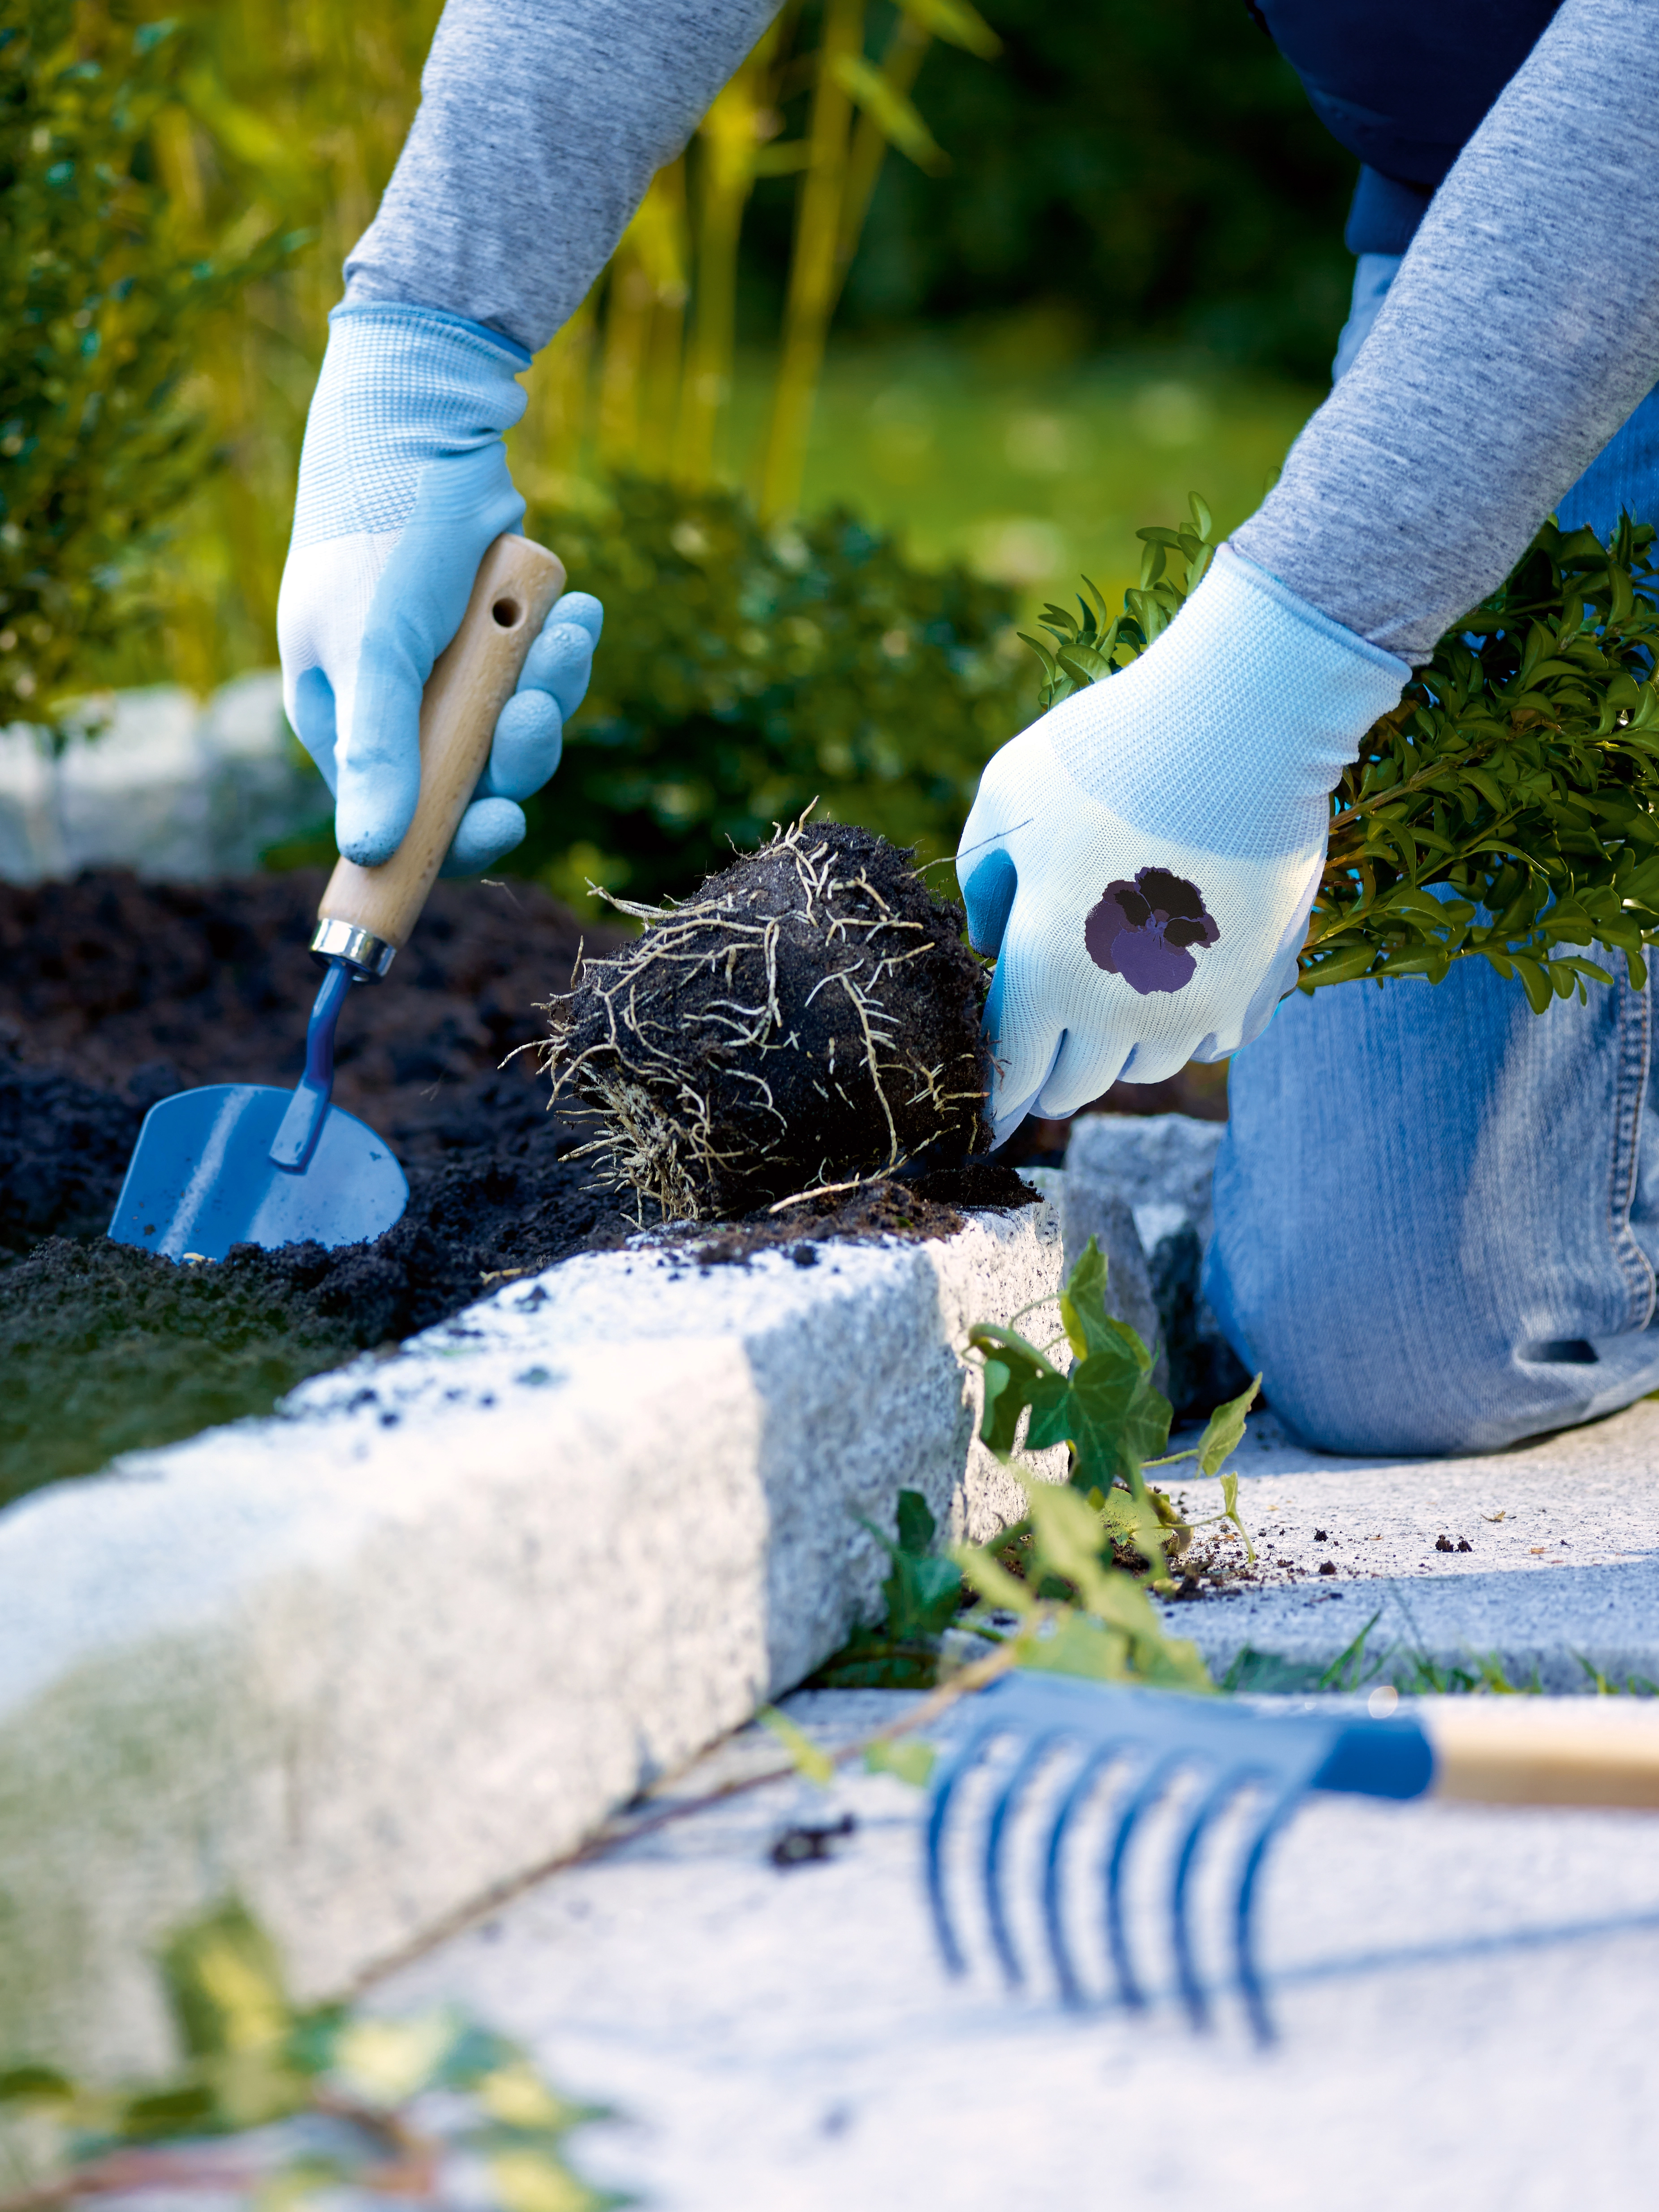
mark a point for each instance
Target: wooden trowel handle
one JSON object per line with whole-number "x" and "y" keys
{"x": 366, "y": 914}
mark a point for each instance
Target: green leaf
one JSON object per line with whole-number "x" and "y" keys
{"x": 804, "y": 1754}
{"x": 529, "y": 2179}
{"x": 1083, "y": 1312}
{"x": 1225, "y": 1431}
{"x": 911, "y": 1761}
{"x": 955, "y": 20}
{"x": 1229, "y": 1507}
{"x": 35, "y": 2085}
{"x": 385, "y": 2063}
{"x": 916, "y": 1525}
{"x": 1016, "y": 1376}
{"x": 224, "y": 1985}
{"x": 992, "y": 1580}
{"x": 1115, "y": 1419}
{"x": 1079, "y": 1646}
{"x": 922, "y": 1595}
{"x": 896, "y": 118}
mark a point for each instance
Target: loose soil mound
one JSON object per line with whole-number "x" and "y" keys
{"x": 115, "y": 993}
{"x": 811, "y": 1017}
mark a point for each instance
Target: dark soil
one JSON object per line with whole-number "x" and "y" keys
{"x": 810, "y": 1017}
{"x": 114, "y": 993}
{"x": 921, "y": 1205}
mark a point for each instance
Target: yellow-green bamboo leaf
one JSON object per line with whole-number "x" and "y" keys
{"x": 957, "y": 24}
{"x": 893, "y": 115}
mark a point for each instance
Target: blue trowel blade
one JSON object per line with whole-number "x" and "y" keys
{"x": 202, "y": 1178}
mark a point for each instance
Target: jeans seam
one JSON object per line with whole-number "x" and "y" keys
{"x": 1635, "y": 1047}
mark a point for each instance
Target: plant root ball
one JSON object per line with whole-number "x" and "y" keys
{"x": 810, "y": 1019}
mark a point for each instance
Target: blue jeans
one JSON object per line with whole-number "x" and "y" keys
{"x": 1436, "y": 1211}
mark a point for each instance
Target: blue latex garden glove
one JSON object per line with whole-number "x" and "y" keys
{"x": 403, "y": 487}
{"x": 1143, "y": 859}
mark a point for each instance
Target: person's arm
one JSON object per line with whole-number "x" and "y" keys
{"x": 1142, "y": 858}
{"x": 541, "y": 125}
{"x": 1520, "y": 331}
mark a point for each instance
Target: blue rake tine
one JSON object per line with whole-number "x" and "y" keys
{"x": 1151, "y": 1786}
{"x": 1277, "y": 1816}
{"x": 944, "y": 1798}
{"x": 996, "y": 1830}
{"x": 1220, "y": 1794}
{"x": 1054, "y": 1920}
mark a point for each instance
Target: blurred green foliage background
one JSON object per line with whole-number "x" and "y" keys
{"x": 1122, "y": 279}
{"x": 1147, "y": 174}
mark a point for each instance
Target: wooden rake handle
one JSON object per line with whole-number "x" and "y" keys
{"x": 366, "y": 914}
{"x": 1536, "y": 1751}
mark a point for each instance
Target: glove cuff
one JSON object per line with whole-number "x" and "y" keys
{"x": 415, "y": 318}
{"x": 404, "y": 387}
{"x": 1229, "y": 731}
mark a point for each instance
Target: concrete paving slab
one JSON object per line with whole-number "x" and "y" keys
{"x": 1467, "y": 2001}
{"x": 1537, "y": 1556}
{"x": 363, "y": 1661}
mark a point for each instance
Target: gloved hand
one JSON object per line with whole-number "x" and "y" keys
{"x": 403, "y": 487}
{"x": 1143, "y": 857}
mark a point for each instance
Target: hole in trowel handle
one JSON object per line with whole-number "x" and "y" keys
{"x": 508, "y": 614}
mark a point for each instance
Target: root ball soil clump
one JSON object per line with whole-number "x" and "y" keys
{"x": 809, "y": 1021}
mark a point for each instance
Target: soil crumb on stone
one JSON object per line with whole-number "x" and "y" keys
{"x": 811, "y": 1018}
{"x": 913, "y": 1210}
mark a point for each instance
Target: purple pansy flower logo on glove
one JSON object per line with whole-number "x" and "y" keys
{"x": 1141, "y": 931}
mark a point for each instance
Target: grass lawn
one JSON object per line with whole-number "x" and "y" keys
{"x": 1033, "y": 474}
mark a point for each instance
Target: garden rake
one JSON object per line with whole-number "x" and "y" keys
{"x": 248, "y": 1163}
{"x": 1064, "y": 1747}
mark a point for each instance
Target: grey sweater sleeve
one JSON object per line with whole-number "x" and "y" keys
{"x": 540, "y": 126}
{"x": 1520, "y": 331}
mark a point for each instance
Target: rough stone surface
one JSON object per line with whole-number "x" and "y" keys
{"x": 1162, "y": 1164}
{"x": 171, "y": 786}
{"x": 365, "y": 1661}
{"x": 1562, "y": 1566}
{"x": 1464, "y": 1997}
{"x": 1160, "y": 1167}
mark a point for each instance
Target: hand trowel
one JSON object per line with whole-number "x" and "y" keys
{"x": 247, "y": 1164}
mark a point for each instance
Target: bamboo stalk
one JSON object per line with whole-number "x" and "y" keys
{"x": 812, "y": 266}
{"x": 727, "y": 145}
{"x": 647, "y": 283}
{"x": 907, "y": 49}
{"x": 545, "y": 449}
{"x": 629, "y": 304}
{"x": 665, "y": 341}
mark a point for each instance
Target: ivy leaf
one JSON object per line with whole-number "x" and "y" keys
{"x": 1016, "y": 1376}
{"x": 529, "y": 2177}
{"x": 992, "y": 1580}
{"x": 1116, "y": 1420}
{"x": 1225, "y": 1431}
{"x": 922, "y": 1596}
{"x": 916, "y": 1525}
{"x": 805, "y": 1755}
{"x": 911, "y": 1761}
{"x": 1082, "y": 1302}
{"x": 224, "y": 1985}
